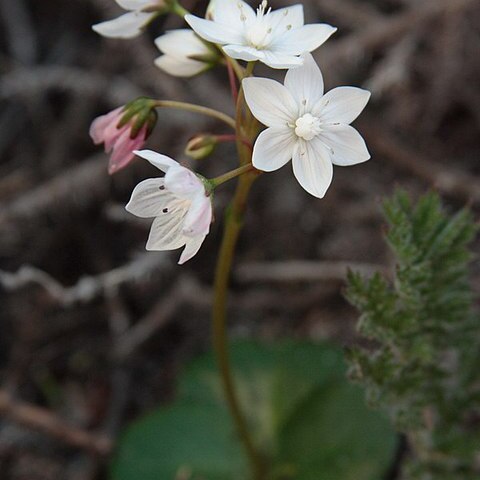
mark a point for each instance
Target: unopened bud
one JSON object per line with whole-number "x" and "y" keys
{"x": 201, "y": 146}
{"x": 140, "y": 114}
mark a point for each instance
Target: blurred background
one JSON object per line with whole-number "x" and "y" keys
{"x": 93, "y": 328}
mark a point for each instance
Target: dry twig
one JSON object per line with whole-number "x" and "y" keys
{"x": 41, "y": 419}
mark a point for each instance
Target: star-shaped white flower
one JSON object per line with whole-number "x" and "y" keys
{"x": 184, "y": 54}
{"x": 179, "y": 204}
{"x": 131, "y": 24}
{"x": 305, "y": 125}
{"x": 274, "y": 38}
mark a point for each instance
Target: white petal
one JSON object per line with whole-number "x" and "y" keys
{"x": 149, "y": 198}
{"x": 303, "y": 39}
{"x": 342, "y": 105}
{"x": 270, "y": 102}
{"x": 158, "y": 160}
{"x": 199, "y": 217}
{"x": 273, "y": 148}
{"x": 215, "y": 32}
{"x": 305, "y": 83}
{"x": 281, "y": 19}
{"x": 183, "y": 183}
{"x": 243, "y": 52}
{"x": 135, "y": 4}
{"x": 192, "y": 246}
{"x": 181, "y": 43}
{"x": 180, "y": 67}
{"x": 128, "y": 25}
{"x": 166, "y": 232}
{"x": 346, "y": 144}
{"x": 280, "y": 60}
{"x": 313, "y": 168}
{"x": 229, "y": 12}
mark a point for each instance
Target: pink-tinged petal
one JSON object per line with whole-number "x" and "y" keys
{"x": 286, "y": 18}
{"x": 112, "y": 134}
{"x": 123, "y": 150}
{"x": 199, "y": 217}
{"x": 192, "y": 247}
{"x": 100, "y": 124}
{"x": 270, "y": 102}
{"x": 273, "y": 148}
{"x": 341, "y": 105}
{"x": 128, "y": 25}
{"x": 312, "y": 167}
{"x": 216, "y": 32}
{"x": 183, "y": 183}
{"x": 166, "y": 232}
{"x": 149, "y": 198}
{"x": 162, "y": 162}
{"x": 303, "y": 39}
{"x": 305, "y": 83}
{"x": 231, "y": 12}
{"x": 347, "y": 147}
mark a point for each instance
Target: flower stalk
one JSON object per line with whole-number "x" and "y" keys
{"x": 247, "y": 127}
{"x": 233, "y": 226}
{"x": 191, "y": 107}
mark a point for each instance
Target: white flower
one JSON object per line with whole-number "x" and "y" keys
{"x": 179, "y": 204}
{"x": 274, "y": 38}
{"x": 131, "y": 24}
{"x": 305, "y": 125}
{"x": 179, "y": 46}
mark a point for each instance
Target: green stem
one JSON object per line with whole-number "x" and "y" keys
{"x": 247, "y": 128}
{"x": 231, "y": 174}
{"x": 233, "y": 225}
{"x": 179, "y": 10}
{"x": 191, "y": 107}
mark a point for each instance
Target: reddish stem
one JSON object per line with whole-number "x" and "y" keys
{"x": 233, "y": 82}
{"x": 232, "y": 138}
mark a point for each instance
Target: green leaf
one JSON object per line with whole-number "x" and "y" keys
{"x": 304, "y": 416}
{"x": 191, "y": 441}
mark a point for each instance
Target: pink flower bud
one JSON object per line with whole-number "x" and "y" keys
{"x": 117, "y": 139}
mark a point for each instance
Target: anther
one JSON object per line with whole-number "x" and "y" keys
{"x": 165, "y": 210}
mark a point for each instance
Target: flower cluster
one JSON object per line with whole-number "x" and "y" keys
{"x": 304, "y": 124}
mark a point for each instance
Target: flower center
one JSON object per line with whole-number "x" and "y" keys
{"x": 307, "y": 127}
{"x": 259, "y": 32}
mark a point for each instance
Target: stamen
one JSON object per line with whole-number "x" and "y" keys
{"x": 165, "y": 210}
{"x": 162, "y": 187}
{"x": 289, "y": 27}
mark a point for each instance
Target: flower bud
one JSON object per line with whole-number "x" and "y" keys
{"x": 124, "y": 130}
{"x": 201, "y": 146}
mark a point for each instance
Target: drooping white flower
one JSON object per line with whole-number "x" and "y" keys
{"x": 305, "y": 125}
{"x": 131, "y": 24}
{"x": 179, "y": 204}
{"x": 274, "y": 38}
{"x": 185, "y": 54}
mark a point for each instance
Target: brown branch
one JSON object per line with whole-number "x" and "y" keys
{"x": 40, "y": 419}
{"x": 81, "y": 184}
{"x": 302, "y": 271}
{"x": 381, "y": 34}
{"x": 89, "y": 287}
{"x": 447, "y": 179}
